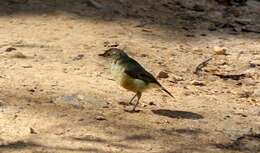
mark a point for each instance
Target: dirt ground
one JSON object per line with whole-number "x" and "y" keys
{"x": 58, "y": 96}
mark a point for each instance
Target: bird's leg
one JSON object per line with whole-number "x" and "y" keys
{"x": 138, "y": 94}
{"x": 130, "y": 102}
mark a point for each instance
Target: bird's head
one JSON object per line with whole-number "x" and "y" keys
{"x": 114, "y": 53}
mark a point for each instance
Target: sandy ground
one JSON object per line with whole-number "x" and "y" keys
{"x": 57, "y": 95}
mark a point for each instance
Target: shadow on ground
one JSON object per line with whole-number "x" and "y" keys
{"x": 177, "y": 114}
{"x": 168, "y": 14}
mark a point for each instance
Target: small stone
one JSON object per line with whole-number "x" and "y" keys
{"x": 254, "y": 63}
{"x": 220, "y": 50}
{"x": 143, "y": 55}
{"x": 198, "y": 83}
{"x": 163, "y": 75}
{"x": 31, "y": 90}
{"x": 9, "y": 49}
{"x": 227, "y": 116}
{"x": 151, "y": 103}
{"x": 32, "y": 131}
{"x": 100, "y": 118}
{"x": 81, "y": 119}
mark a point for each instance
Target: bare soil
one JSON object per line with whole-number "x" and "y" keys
{"x": 57, "y": 95}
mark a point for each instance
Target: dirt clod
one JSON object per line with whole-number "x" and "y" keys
{"x": 220, "y": 50}
{"x": 162, "y": 75}
{"x": 198, "y": 83}
{"x": 100, "y": 118}
{"x": 32, "y": 131}
{"x": 9, "y": 49}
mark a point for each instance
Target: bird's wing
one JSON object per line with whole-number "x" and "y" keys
{"x": 135, "y": 70}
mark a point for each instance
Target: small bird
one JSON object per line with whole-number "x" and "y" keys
{"x": 130, "y": 74}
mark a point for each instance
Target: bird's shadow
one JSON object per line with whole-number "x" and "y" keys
{"x": 177, "y": 114}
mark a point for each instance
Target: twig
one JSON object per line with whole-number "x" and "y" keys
{"x": 231, "y": 76}
{"x": 201, "y": 65}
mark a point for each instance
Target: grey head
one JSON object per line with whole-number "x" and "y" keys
{"x": 114, "y": 53}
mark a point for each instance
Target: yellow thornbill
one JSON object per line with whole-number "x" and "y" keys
{"x": 130, "y": 74}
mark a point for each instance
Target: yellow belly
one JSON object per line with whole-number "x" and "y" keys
{"x": 127, "y": 82}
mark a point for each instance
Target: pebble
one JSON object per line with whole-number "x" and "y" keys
{"x": 163, "y": 75}
{"x": 81, "y": 119}
{"x": 198, "y": 83}
{"x": 100, "y": 118}
{"x": 9, "y": 49}
{"x": 151, "y": 103}
{"x": 32, "y": 131}
{"x": 143, "y": 55}
{"x": 220, "y": 50}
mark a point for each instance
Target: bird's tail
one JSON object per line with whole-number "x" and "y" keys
{"x": 165, "y": 90}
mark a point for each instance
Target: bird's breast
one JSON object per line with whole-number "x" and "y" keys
{"x": 127, "y": 81}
